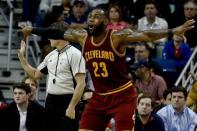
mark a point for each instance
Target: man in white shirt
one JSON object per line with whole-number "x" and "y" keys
{"x": 151, "y": 22}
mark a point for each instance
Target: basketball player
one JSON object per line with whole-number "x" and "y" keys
{"x": 104, "y": 53}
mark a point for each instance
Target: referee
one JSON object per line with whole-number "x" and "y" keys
{"x": 65, "y": 68}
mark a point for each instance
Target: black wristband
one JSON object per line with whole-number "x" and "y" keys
{"x": 49, "y": 33}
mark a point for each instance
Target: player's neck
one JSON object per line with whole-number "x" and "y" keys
{"x": 99, "y": 38}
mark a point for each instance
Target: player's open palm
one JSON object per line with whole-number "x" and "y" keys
{"x": 189, "y": 24}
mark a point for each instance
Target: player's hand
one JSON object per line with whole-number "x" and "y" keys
{"x": 26, "y": 31}
{"x": 70, "y": 112}
{"x": 26, "y": 28}
{"x": 180, "y": 30}
{"x": 21, "y": 51}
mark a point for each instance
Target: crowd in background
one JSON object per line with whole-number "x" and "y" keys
{"x": 160, "y": 106}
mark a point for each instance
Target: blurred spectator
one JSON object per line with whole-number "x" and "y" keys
{"x": 2, "y": 101}
{"x": 50, "y": 10}
{"x": 163, "y": 8}
{"x": 178, "y": 51}
{"x": 34, "y": 85}
{"x": 190, "y": 12}
{"x": 149, "y": 83}
{"x": 177, "y": 116}
{"x": 66, "y": 10}
{"x": 142, "y": 52}
{"x": 152, "y": 21}
{"x": 22, "y": 114}
{"x": 45, "y": 8}
{"x": 167, "y": 96}
{"x": 192, "y": 96}
{"x": 146, "y": 120}
{"x": 115, "y": 18}
{"x": 125, "y": 6}
{"x": 2, "y": 106}
{"x": 78, "y": 16}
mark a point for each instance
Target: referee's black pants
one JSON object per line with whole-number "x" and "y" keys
{"x": 56, "y": 120}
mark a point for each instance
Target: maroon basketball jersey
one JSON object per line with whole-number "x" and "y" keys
{"x": 106, "y": 66}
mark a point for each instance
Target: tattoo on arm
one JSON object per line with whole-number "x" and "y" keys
{"x": 158, "y": 33}
{"x": 127, "y": 35}
{"x": 123, "y": 32}
{"x": 149, "y": 35}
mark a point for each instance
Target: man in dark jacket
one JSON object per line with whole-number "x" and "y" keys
{"x": 146, "y": 120}
{"x": 22, "y": 114}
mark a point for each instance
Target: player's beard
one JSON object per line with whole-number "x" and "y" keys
{"x": 97, "y": 30}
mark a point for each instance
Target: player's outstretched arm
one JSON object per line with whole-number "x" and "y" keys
{"x": 127, "y": 35}
{"x": 72, "y": 35}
